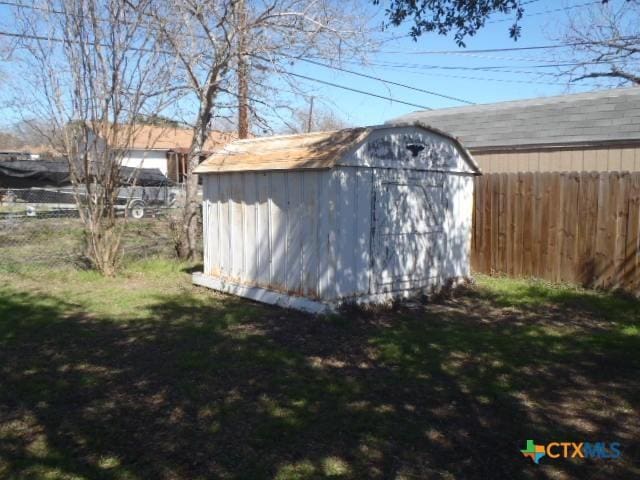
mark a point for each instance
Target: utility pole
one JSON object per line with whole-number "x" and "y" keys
{"x": 310, "y": 119}
{"x": 243, "y": 73}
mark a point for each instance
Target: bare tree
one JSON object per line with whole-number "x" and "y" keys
{"x": 318, "y": 119}
{"x": 201, "y": 35}
{"x": 605, "y": 44}
{"x": 34, "y": 133}
{"x": 94, "y": 69}
{"x": 214, "y": 39}
{"x": 10, "y": 141}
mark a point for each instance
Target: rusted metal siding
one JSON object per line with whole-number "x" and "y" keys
{"x": 561, "y": 160}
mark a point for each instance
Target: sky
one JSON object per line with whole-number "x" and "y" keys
{"x": 449, "y": 74}
{"x": 543, "y": 22}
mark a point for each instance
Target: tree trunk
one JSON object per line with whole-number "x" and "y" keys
{"x": 243, "y": 74}
{"x": 96, "y": 202}
{"x": 188, "y": 238}
{"x": 104, "y": 248}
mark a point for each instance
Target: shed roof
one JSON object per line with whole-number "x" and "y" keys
{"x": 299, "y": 152}
{"x": 608, "y": 116}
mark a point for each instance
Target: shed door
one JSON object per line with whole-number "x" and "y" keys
{"x": 408, "y": 231}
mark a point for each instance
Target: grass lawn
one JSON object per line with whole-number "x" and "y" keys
{"x": 146, "y": 377}
{"x": 57, "y": 242}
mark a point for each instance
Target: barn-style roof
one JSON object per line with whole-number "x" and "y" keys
{"x": 319, "y": 150}
{"x": 604, "y": 117}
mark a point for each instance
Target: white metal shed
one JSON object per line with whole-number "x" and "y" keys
{"x": 311, "y": 221}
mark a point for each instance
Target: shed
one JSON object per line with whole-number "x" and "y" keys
{"x": 359, "y": 215}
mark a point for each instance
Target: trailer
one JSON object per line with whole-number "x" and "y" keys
{"x": 43, "y": 189}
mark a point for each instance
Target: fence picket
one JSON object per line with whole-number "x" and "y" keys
{"x": 575, "y": 227}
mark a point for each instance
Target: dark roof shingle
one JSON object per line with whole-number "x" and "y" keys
{"x": 585, "y": 118}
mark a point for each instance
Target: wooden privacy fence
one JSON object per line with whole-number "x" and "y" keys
{"x": 574, "y": 227}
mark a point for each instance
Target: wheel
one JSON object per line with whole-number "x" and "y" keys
{"x": 31, "y": 211}
{"x": 136, "y": 209}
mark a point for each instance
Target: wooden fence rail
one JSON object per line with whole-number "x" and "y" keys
{"x": 572, "y": 227}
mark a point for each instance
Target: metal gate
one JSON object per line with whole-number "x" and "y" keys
{"x": 407, "y": 233}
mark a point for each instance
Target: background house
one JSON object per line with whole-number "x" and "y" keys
{"x": 596, "y": 131}
{"x": 166, "y": 148}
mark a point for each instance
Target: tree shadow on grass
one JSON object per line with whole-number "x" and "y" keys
{"x": 210, "y": 388}
{"x": 193, "y": 268}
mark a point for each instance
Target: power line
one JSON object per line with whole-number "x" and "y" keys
{"x": 409, "y": 67}
{"x": 493, "y": 80}
{"x": 525, "y": 16}
{"x": 363, "y": 92}
{"x": 409, "y": 35}
{"x": 496, "y": 69}
{"x": 61, "y": 40}
{"x": 423, "y": 52}
{"x": 512, "y": 58}
{"x": 344, "y": 87}
{"x": 517, "y": 72}
{"x": 390, "y": 82}
{"x": 551, "y": 63}
{"x": 546, "y": 12}
{"x": 484, "y": 79}
{"x": 509, "y": 49}
{"x": 43, "y": 38}
{"x": 504, "y": 58}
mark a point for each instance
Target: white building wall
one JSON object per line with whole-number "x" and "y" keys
{"x": 146, "y": 159}
{"x": 137, "y": 158}
{"x": 459, "y": 224}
